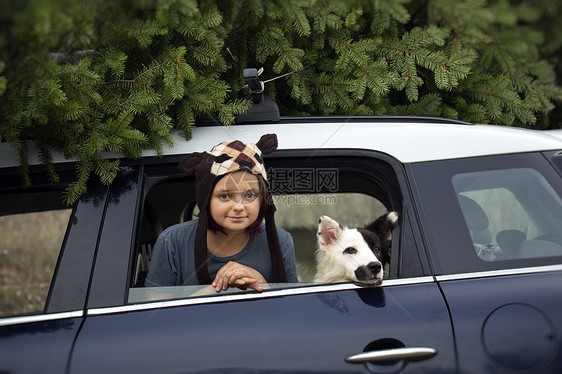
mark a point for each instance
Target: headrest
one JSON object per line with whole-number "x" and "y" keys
{"x": 474, "y": 215}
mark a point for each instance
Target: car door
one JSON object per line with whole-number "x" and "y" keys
{"x": 46, "y": 256}
{"x": 403, "y": 326}
{"x": 498, "y": 254}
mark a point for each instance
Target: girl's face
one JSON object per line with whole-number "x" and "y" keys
{"x": 235, "y": 201}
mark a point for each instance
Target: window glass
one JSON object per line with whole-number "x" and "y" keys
{"x": 30, "y": 242}
{"x": 503, "y": 210}
{"x": 490, "y": 213}
{"x": 510, "y": 213}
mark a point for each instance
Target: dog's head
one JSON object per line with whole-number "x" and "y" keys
{"x": 378, "y": 235}
{"x": 344, "y": 255}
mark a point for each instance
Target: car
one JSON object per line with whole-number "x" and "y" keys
{"x": 473, "y": 284}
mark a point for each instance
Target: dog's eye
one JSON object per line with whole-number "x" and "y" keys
{"x": 350, "y": 251}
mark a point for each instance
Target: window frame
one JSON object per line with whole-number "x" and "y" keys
{"x": 119, "y": 246}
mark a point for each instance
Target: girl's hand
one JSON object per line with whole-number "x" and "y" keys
{"x": 238, "y": 275}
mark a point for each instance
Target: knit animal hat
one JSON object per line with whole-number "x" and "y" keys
{"x": 208, "y": 168}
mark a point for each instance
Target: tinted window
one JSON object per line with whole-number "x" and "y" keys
{"x": 504, "y": 223}
{"x": 493, "y": 212}
{"x": 32, "y": 228}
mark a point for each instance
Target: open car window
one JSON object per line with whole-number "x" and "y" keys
{"x": 302, "y": 189}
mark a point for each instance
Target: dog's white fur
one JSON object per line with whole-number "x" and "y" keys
{"x": 342, "y": 254}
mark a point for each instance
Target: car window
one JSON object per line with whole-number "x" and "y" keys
{"x": 492, "y": 212}
{"x": 302, "y": 190}
{"x": 32, "y": 229}
{"x": 501, "y": 218}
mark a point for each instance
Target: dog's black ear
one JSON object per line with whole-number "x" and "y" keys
{"x": 329, "y": 230}
{"x": 383, "y": 226}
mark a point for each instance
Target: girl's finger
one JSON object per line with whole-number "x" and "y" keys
{"x": 236, "y": 274}
{"x": 221, "y": 274}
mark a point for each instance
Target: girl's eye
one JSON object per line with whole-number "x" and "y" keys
{"x": 350, "y": 251}
{"x": 249, "y": 196}
{"x": 223, "y": 197}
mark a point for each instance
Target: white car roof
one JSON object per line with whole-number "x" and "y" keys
{"x": 555, "y": 133}
{"x": 407, "y": 142}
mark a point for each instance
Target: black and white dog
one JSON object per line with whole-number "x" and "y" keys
{"x": 354, "y": 255}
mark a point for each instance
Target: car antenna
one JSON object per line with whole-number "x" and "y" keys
{"x": 263, "y": 108}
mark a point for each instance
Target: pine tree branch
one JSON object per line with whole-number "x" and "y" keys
{"x": 299, "y": 20}
{"x": 420, "y": 56}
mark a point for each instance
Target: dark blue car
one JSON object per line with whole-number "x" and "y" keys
{"x": 474, "y": 283}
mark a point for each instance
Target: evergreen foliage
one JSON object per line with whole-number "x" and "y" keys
{"x": 91, "y": 78}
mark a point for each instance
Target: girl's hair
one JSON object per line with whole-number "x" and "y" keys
{"x": 256, "y": 225}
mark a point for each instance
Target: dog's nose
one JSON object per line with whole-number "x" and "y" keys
{"x": 374, "y": 267}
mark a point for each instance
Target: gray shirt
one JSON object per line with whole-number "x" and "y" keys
{"x": 172, "y": 262}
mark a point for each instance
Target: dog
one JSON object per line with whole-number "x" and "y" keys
{"x": 354, "y": 255}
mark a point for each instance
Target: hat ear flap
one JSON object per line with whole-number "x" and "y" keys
{"x": 190, "y": 163}
{"x": 267, "y": 143}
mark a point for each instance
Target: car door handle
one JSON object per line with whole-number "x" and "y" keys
{"x": 408, "y": 354}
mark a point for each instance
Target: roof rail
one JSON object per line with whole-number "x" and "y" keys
{"x": 386, "y": 119}
{"x": 337, "y": 118}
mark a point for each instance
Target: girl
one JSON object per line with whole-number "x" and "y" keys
{"x": 227, "y": 245}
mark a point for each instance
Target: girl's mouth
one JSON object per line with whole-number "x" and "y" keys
{"x": 236, "y": 219}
